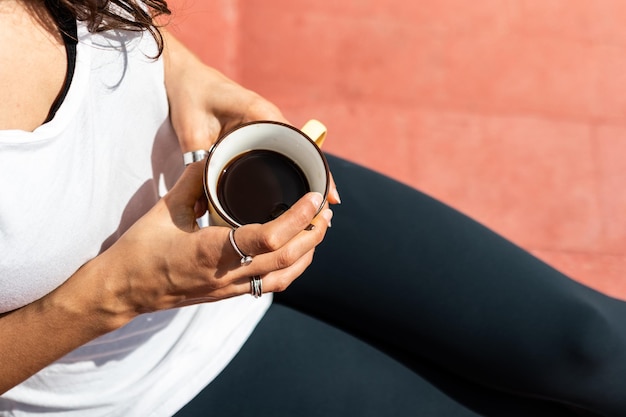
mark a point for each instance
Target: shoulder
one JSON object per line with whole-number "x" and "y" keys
{"x": 30, "y": 41}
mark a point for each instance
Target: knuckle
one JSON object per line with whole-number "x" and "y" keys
{"x": 284, "y": 259}
{"x": 308, "y": 258}
{"x": 319, "y": 234}
{"x": 270, "y": 242}
{"x": 305, "y": 216}
{"x": 281, "y": 284}
{"x": 258, "y": 105}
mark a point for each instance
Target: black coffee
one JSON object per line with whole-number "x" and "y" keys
{"x": 260, "y": 185}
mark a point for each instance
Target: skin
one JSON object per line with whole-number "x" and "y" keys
{"x": 164, "y": 260}
{"x": 27, "y": 93}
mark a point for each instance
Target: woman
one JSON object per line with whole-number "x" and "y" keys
{"x": 115, "y": 303}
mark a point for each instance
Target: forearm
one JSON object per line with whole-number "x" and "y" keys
{"x": 185, "y": 72}
{"x": 204, "y": 102}
{"x": 39, "y": 333}
{"x": 176, "y": 60}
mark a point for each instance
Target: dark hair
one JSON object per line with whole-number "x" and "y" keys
{"x": 133, "y": 15}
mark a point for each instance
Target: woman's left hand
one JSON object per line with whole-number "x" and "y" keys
{"x": 204, "y": 103}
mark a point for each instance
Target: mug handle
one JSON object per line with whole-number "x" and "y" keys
{"x": 316, "y": 131}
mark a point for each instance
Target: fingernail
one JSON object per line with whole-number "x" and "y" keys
{"x": 317, "y": 199}
{"x": 335, "y": 194}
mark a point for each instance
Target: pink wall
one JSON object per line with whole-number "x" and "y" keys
{"x": 510, "y": 110}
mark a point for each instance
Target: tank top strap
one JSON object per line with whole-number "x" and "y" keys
{"x": 68, "y": 27}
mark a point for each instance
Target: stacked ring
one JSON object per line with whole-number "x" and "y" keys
{"x": 256, "y": 286}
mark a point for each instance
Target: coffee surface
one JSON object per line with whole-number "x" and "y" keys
{"x": 260, "y": 185}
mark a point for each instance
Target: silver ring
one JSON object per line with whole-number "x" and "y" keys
{"x": 245, "y": 259}
{"x": 256, "y": 286}
{"x": 194, "y": 156}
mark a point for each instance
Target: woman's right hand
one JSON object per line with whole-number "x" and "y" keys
{"x": 165, "y": 260}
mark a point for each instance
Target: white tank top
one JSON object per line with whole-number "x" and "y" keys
{"x": 70, "y": 189}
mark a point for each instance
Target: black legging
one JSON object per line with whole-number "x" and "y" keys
{"x": 413, "y": 309}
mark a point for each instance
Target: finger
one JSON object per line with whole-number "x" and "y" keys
{"x": 279, "y": 268}
{"x": 275, "y": 281}
{"x": 261, "y": 109}
{"x": 271, "y": 282}
{"x": 201, "y": 206}
{"x": 288, "y": 254}
{"x": 254, "y": 239}
{"x": 333, "y": 194}
{"x": 206, "y": 132}
{"x": 195, "y": 130}
{"x": 189, "y": 188}
{"x": 299, "y": 246}
{"x": 280, "y": 280}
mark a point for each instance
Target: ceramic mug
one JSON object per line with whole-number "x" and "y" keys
{"x": 256, "y": 171}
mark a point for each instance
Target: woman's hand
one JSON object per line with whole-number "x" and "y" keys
{"x": 204, "y": 103}
{"x": 165, "y": 260}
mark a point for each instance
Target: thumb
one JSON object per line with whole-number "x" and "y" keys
{"x": 189, "y": 187}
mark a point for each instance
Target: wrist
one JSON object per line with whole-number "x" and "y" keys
{"x": 90, "y": 297}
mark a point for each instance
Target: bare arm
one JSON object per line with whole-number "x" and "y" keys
{"x": 205, "y": 103}
{"x": 163, "y": 261}
{"x": 45, "y": 330}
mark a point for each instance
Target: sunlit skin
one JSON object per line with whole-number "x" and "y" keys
{"x": 164, "y": 260}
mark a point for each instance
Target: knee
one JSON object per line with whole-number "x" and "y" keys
{"x": 595, "y": 351}
{"x": 593, "y": 338}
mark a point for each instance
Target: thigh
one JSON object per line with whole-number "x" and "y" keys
{"x": 418, "y": 278}
{"x": 295, "y": 365}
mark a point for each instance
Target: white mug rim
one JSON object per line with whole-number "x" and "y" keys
{"x": 212, "y": 199}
